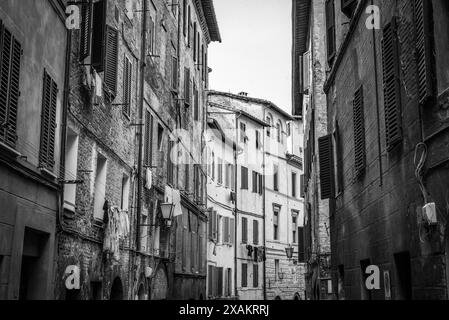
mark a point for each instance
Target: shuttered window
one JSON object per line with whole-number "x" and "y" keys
{"x": 424, "y": 50}
{"x": 210, "y": 282}
{"x": 111, "y": 62}
{"x": 10, "y": 56}
{"x": 220, "y": 171}
{"x": 302, "y": 186}
{"x": 391, "y": 85}
{"x": 255, "y": 232}
{"x": 255, "y": 275}
{"x": 148, "y": 137}
{"x": 255, "y": 181}
{"x": 187, "y": 87}
{"x": 359, "y": 133}
{"x": 275, "y": 178}
{"x": 231, "y": 231}
{"x": 170, "y": 166}
{"x": 219, "y": 282}
{"x": 213, "y": 225}
{"x": 127, "y": 86}
{"x": 330, "y": 30}
{"x": 174, "y": 73}
{"x": 99, "y": 35}
{"x": 244, "y": 230}
{"x": 260, "y": 184}
{"x": 244, "y": 178}
{"x": 196, "y": 107}
{"x": 232, "y": 177}
{"x": 227, "y": 175}
{"x": 195, "y": 41}
{"x": 86, "y": 29}
{"x": 339, "y": 158}
{"x": 294, "y": 181}
{"x": 326, "y": 167}
{"x": 189, "y": 27}
{"x": 48, "y": 123}
{"x": 184, "y": 17}
{"x": 244, "y": 275}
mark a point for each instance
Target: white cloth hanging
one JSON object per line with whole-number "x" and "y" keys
{"x": 98, "y": 85}
{"x": 177, "y": 203}
{"x": 149, "y": 179}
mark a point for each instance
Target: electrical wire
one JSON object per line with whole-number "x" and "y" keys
{"x": 419, "y": 168}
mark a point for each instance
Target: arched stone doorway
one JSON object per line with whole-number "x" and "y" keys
{"x": 159, "y": 285}
{"x": 116, "y": 290}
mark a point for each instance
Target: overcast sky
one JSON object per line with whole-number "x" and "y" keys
{"x": 255, "y": 53}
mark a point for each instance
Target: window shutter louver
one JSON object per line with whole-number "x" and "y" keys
{"x": 255, "y": 232}
{"x": 359, "y": 133}
{"x": 10, "y": 56}
{"x": 255, "y": 275}
{"x": 111, "y": 60}
{"x": 99, "y": 41}
{"x": 48, "y": 123}
{"x": 174, "y": 73}
{"x": 244, "y": 275}
{"x": 244, "y": 230}
{"x": 231, "y": 230}
{"x": 86, "y": 29}
{"x": 301, "y": 247}
{"x": 423, "y": 25}
{"x": 147, "y": 140}
{"x": 391, "y": 85}
{"x": 187, "y": 88}
{"x": 260, "y": 184}
{"x": 326, "y": 167}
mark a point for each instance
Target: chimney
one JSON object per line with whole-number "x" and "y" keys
{"x": 243, "y": 94}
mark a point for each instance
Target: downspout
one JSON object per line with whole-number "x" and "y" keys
{"x": 140, "y": 128}
{"x": 65, "y": 106}
{"x": 235, "y": 206}
{"x": 264, "y": 218}
{"x": 376, "y": 79}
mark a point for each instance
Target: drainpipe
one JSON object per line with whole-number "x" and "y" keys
{"x": 264, "y": 218}
{"x": 140, "y": 128}
{"x": 236, "y": 206}
{"x": 65, "y": 106}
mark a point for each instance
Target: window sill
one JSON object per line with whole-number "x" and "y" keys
{"x": 11, "y": 151}
{"x": 48, "y": 173}
{"x": 98, "y": 223}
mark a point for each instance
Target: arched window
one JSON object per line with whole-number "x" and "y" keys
{"x": 279, "y": 131}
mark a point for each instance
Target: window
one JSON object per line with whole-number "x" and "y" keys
{"x": 86, "y": 29}
{"x": 255, "y": 182}
{"x": 187, "y": 177}
{"x": 111, "y": 62}
{"x": 187, "y": 87}
{"x": 255, "y": 275}
{"x": 71, "y": 172}
{"x": 220, "y": 171}
{"x": 124, "y": 203}
{"x": 330, "y": 30}
{"x": 306, "y": 73}
{"x": 232, "y": 177}
{"x": 279, "y": 132}
{"x": 98, "y": 35}
{"x": 294, "y": 227}
{"x": 258, "y": 142}
{"x": 228, "y": 282}
{"x": 198, "y": 53}
{"x": 275, "y": 178}
{"x": 255, "y": 232}
{"x": 151, "y": 36}
{"x": 198, "y": 181}
{"x": 326, "y": 167}
{"x": 174, "y": 5}
{"x": 174, "y": 73}
{"x": 276, "y": 211}
{"x": 219, "y": 281}
{"x": 184, "y": 17}
{"x": 423, "y": 25}
{"x": 189, "y": 27}
{"x": 294, "y": 181}
{"x": 148, "y": 138}
{"x": 301, "y": 246}
{"x": 276, "y": 270}
{"x": 170, "y": 165}
{"x": 227, "y": 175}
{"x": 260, "y": 184}
{"x": 210, "y": 282}
{"x": 213, "y": 235}
{"x": 48, "y": 123}
{"x": 270, "y": 124}
{"x": 127, "y": 87}
{"x": 244, "y": 178}
{"x": 391, "y": 85}
{"x": 10, "y": 53}
{"x": 244, "y": 275}
{"x": 100, "y": 187}
{"x": 195, "y": 41}
{"x": 225, "y": 230}
{"x": 242, "y": 132}
{"x": 160, "y": 136}
{"x": 359, "y": 133}
{"x": 202, "y": 62}
{"x": 244, "y": 230}
{"x": 196, "y": 111}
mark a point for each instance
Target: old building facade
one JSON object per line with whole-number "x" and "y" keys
{"x": 309, "y": 101}
{"x": 33, "y": 63}
{"x": 134, "y": 222}
{"x": 268, "y": 205}
{"x": 384, "y": 154}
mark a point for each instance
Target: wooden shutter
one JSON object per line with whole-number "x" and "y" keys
{"x": 99, "y": 35}
{"x": 302, "y": 186}
{"x": 255, "y": 182}
{"x": 147, "y": 140}
{"x": 127, "y": 86}
{"x": 255, "y": 275}
{"x": 48, "y": 123}
{"x": 260, "y": 184}
{"x": 339, "y": 152}
{"x": 244, "y": 230}
{"x": 210, "y": 282}
{"x": 424, "y": 50}
{"x": 111, "y": 61}
{"x": 330, "y": 29}
{"x": 10, "y": 56}
{"x": 255, "y": 232}
{"x": 244, "y": 178}
{"x": 359, "y": 133}
{"x": 195, "y": 41}
{"x": 86, "y": 29}
{"x": 391, "y": 85}
{"x": 215, "y": 225}
{"x": 326, "y": 167}
{"x": 244, "y": 275}
{"x": 301, "y": 247}
{"x": 174, "y": 81}
{"x": 187, "y": 87}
